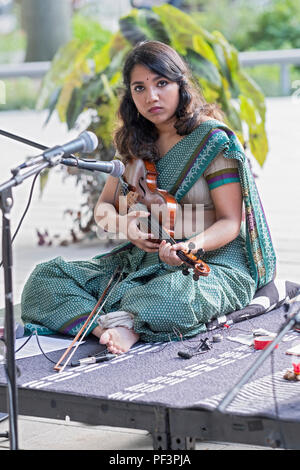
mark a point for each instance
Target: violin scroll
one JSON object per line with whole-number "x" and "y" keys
{"x": 140, "y": 187}
{"x": 193, "y": 261}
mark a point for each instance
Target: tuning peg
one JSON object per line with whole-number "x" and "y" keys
{"x": 185, "y": 271}
{"x": 200, "y": 253}
{"x": 191, "y": 246}
{"x": 200, "y": 266}
{"x": 196, "y": 277}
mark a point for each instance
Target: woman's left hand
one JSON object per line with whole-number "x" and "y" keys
{"x": 167, "y": 252}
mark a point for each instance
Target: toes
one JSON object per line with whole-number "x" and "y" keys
{"x": 115, "y": 350}
{"x": 110, "y": 345}
{"x": 105, "y": 338}
{"x": 118, "y": 340}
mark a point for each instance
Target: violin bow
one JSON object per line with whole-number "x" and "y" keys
{"x": 95, "y": 310}
{"x": 83, "y": 330}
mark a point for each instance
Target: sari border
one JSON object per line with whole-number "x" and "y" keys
{"x": 189, "y": 164}
{"x": 260, "y": 249}
{"x": 67, "y": 327}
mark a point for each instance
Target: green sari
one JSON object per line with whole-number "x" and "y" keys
{"x": 59, "y": 295}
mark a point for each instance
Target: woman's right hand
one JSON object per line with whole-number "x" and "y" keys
{"x": 129, "y": 226}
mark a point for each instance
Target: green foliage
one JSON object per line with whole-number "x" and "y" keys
{"x": 234, "y": 19}
{"x": 11, "y": 43}
{"x": 20, "y": 94}
{"x": 85, "y": 28}
{"x": 274, "y": 24}
{"x": 277, "y": 27}
{"x": 84, "y": 77}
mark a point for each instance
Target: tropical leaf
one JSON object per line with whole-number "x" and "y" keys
{"x": 258, "y": 141}
{"x": 131, "y": 30}
{"x": 86, "y": 74}
{"x": 107, "y": 114}
{"x": 141, "y": 25}
{"x": 74, "y": 107}
{"x": 102, "y": 58}
{"x": 202, "y": 47}
{"x": 229, "y": 52}
{"x": 203, "y": 68}
{"x": 210, "y": 93}
{"x": 179, "y": 26}
{"x": 85, "y": 28}
{"x": 249, "y": 88}
{"x": 213, "y": 61}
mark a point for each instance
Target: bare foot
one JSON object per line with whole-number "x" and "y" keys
{"x": 119, "y": 339}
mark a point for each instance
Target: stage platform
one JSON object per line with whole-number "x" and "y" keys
{"x": 175, "y": 399}
{"x": 38, "y": 432}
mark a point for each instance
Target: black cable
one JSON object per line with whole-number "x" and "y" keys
{"x": 41, "y": 349}
{"x": 162, "y": 346}
{"x": 22, "y": 346}
{"x": 25, "y": 211}
{"x": 1, "y": 263}
{"x": 6, "y": 434}
{"x": 39, "y": 345}
{"x": 203, "y": 345}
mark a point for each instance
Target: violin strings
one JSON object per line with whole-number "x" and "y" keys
{"x": 153, "y": 224}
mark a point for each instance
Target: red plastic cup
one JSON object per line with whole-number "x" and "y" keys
{"x": 261, "y": 342}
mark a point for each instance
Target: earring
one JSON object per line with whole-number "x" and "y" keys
{"x": 138, "y": 115}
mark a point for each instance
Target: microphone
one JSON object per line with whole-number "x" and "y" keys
{"x": 86, "y": 142}
{"x": 115, "y": 168}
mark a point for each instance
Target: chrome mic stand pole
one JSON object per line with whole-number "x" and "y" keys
{"x": 6, "y": 203}
{"x": 293, "y": 318}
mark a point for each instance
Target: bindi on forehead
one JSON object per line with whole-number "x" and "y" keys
{"x": 141, "y": 74}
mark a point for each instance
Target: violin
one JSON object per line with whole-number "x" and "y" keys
{"x": 139, "y": 186}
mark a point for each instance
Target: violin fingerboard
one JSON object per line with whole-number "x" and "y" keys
{"x": 124, "y": 187}
{"x": 151, "y": 224}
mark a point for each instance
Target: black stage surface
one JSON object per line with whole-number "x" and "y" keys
{"x": 151, "y": 387}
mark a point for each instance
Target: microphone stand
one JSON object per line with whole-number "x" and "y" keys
{"x": 6, "y": 204}
{"x": 293, "y": 319}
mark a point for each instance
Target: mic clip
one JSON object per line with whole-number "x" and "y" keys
{"x": 54, "y": 159}
{"x": 202, "y": 348}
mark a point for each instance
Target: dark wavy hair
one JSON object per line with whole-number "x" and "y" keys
{"x": 136, "y": 135}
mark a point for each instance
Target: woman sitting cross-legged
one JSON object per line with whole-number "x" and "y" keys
{"x": 164, "y": 119}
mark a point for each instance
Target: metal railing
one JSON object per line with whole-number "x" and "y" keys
{"x": 283, "y": 58}
{"x": 24, "y": 69}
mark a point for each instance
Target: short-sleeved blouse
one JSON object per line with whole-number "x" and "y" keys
{"x": 220, "y": 171}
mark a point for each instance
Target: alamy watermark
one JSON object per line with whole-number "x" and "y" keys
{"x": 2, "y": 92}
{"x": 188, "y": 222}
